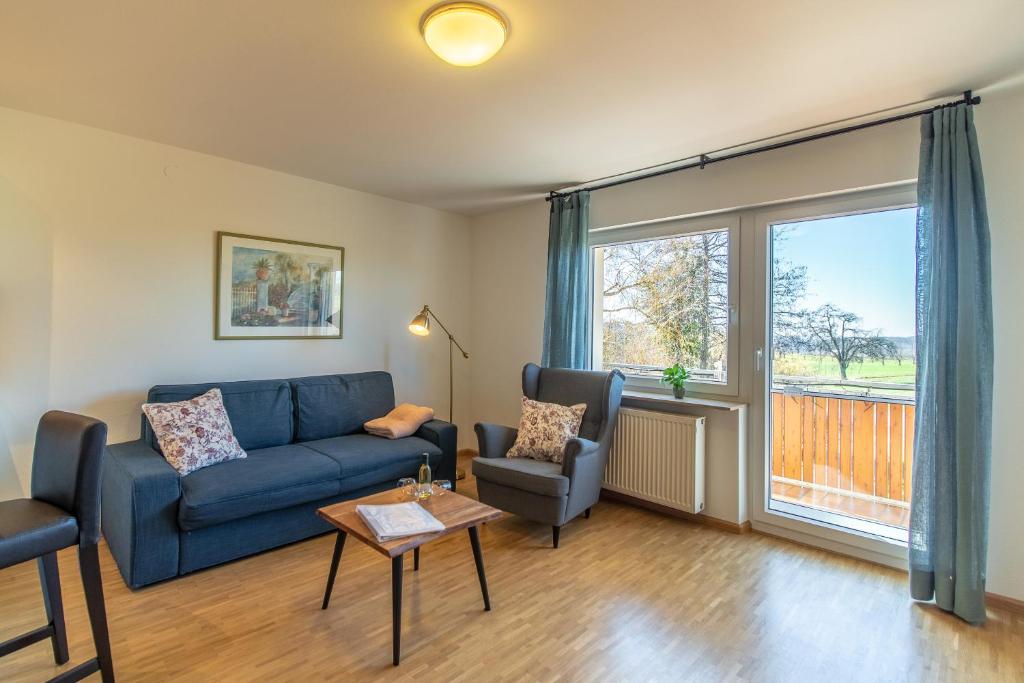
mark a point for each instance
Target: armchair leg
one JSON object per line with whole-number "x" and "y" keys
{"x": 587, "y": 513}
{"x": 554, "y": 535}
{"x": 92, "y": 581}
{"x": 49, "y": 580}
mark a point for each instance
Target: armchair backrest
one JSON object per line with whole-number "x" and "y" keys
{"x": 601, "y": 391}
{"x": 66, "y": 468}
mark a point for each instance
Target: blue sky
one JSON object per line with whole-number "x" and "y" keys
{"x": 862, "y": 263}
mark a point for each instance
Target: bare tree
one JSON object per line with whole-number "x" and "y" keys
{"x": 831, "y": 331}
{"x": 678, "y": 287}
{"x": 667, "y": 300}
{"x": 789, "y": 286}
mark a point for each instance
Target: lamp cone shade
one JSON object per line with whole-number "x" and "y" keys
{"x": 420, "y": 325}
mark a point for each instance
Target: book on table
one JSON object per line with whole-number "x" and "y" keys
{"x": 398, "y": 520}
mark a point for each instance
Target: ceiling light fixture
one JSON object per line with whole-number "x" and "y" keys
{"x": 464, "y": 33}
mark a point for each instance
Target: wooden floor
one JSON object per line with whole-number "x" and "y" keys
{"x": 629, "y": 596}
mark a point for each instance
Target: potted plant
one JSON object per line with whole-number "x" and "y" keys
{"x": 262, "y": 269}
{"x": 675, "y": 376}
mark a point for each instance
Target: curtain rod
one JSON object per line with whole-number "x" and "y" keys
{"x": 703, "y": 160}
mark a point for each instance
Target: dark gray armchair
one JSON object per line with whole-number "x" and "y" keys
{"x": 548, "y": 492}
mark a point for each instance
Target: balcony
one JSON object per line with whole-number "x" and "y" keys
{"x": 847, "y": 454}
{"x": 839, "y": 446}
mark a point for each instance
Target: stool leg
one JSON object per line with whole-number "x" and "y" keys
{"x": 92, "y": 582}
{"x": 49, "y": 580}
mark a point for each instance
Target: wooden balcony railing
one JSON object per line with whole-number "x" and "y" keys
{"x": 860, "y": 447}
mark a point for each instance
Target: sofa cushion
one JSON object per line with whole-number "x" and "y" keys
{"x": 194, "y": 434}
{"x": 536, "y": 476}
{"x": 260, "y": 411}
{"x": 366, "y": 460}
{"x": 336, "y": 405}
{"x": 269, "y": 479}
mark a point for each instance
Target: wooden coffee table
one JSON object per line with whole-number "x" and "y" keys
{"x": 455, "y": 511}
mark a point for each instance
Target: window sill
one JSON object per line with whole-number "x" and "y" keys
{"x": 633, "y": 396}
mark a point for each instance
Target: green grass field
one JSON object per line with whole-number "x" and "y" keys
{"x": 806, "y": 365}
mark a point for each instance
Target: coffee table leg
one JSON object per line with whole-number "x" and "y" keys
{"x": 339, "y": 545}
{"x": 478, "y": 556}
{"x": 416, "y": 560}
{"x": 396, "y": 609}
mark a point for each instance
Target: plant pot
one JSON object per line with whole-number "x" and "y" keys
{"x": 679, "y": 392}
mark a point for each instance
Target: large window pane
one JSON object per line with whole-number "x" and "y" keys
{"x": 666, "y": 301}
{"x": 842, "y": 369}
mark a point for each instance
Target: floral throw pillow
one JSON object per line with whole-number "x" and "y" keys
{"x": 545, "y": 428}
{"x": 194, "y": 434}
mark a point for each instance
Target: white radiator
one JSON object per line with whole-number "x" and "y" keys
{"x": 658, "y": 457}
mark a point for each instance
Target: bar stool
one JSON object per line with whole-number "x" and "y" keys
{"x": 64, "y": 510}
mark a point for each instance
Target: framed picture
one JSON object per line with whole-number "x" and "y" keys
{"x": 277, "y": 289}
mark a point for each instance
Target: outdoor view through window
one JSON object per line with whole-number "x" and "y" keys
{"x": 842, "y": 367}
{"x": 666, "y": 301}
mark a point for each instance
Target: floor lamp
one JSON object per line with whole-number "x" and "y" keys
{"x": 420, "y": 326}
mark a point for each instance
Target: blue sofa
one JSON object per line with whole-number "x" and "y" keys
{"x": 306, "y": 448}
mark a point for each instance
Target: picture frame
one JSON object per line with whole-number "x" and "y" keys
{"x": 270, "y": 288}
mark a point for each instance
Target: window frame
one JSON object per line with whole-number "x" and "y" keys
{"x": 862, "y": 541}
{"x": 663, "y": 229}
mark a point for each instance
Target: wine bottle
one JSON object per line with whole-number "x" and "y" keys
{"x": 424, "y": 487}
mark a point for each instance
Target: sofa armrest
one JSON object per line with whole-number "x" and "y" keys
{"x": 494, "y": 440}
{"x": 445, "y": 436}
{"x": 140, "y": 512}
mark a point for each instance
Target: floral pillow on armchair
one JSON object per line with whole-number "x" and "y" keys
{"x": 545, "y": 428}
{"x": 195, "y": 433}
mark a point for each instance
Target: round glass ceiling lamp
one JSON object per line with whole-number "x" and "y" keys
{"x": 464, "y": 33}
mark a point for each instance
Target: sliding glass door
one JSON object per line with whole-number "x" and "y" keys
{"x": 839, "y": 368}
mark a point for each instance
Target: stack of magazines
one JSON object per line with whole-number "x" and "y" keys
{"x": 388, "y": 522}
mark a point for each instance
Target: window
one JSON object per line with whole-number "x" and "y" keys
{"x": 842, "y": 365}
{"x": 665, "y": 295}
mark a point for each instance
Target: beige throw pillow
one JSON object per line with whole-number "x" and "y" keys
{"x": 194, "y": 434}
{"x": 545, "y": 428}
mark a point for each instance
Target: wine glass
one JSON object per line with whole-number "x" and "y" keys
{"x": 443, "y": 486}
{"x": 408, "y": 485}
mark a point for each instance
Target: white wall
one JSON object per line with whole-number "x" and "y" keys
{"x": 509, "y": 260}
{"x": 999, "y": 121}
{"x": 106, "y": 278}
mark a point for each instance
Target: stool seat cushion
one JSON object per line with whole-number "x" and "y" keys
{"x": 30, "y": 528}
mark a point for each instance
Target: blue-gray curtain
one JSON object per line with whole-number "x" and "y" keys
{"x": 953, "y": 425}
{"x": 565, "y": 307}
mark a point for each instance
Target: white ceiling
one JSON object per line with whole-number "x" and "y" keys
{"x": 346, "y": 91}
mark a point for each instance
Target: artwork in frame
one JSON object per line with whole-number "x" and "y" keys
{"x": 278, "y": 289}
